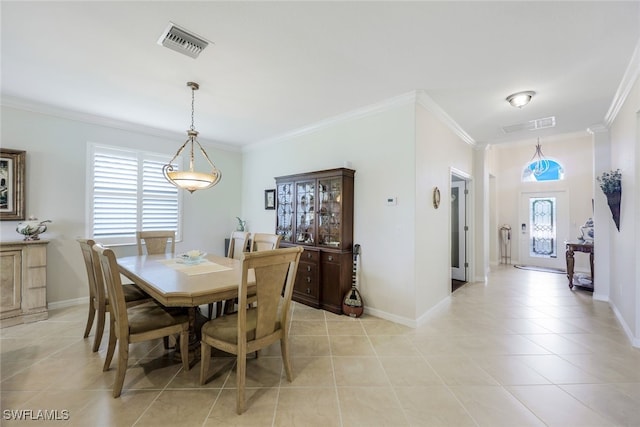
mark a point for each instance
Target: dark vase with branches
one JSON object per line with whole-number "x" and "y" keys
{"x": 611, "y": 185}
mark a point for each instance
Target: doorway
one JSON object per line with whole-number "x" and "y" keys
{"x": 459, "y": 229}
{"x": 544, "y": 226}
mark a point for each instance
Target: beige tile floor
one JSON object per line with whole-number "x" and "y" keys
{"x": 521, "y": 350}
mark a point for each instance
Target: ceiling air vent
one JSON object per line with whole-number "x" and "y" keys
{"x": 181, "y": 40}
{"x": 547, "y": 122}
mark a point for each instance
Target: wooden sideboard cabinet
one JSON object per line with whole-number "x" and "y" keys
{"x": 315, "y": 210}
{"x": 23, "y": 282}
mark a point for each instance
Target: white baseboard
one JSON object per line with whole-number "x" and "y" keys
{"x": 391, "y": 317}
{"x": 67, "y": 303}
{"x": 635, "y": 341}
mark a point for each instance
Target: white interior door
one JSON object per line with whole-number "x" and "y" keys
{"x": 458, "y": 231}
{"x": 543, "y": 228}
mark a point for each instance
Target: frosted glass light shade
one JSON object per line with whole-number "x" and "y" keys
{"x": 192, "y": 181}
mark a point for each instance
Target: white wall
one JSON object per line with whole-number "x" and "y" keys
{"x": 625, "y": 253}
{"x": 575, "y": 153}
{"x": 56, "y": 190}
{"x": 438, "y": 150}
{"x": 381, "y": 148}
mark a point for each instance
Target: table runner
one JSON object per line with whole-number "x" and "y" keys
{"x": 192, "y": 269}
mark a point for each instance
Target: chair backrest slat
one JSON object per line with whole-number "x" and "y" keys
{"x": 87, "y": 254}
{"x": 265, "y": 242}
{"x": 237, "y": 244}
{"x": 107, "y": 260}
{"x": 156, "y": 241}
{"x": 275, "y": 270}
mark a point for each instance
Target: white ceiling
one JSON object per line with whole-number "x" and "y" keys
{"x": 276, "y": 67}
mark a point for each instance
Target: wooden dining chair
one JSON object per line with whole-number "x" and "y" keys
{"x": 253, "y": 328}
{"x": 265, "y": 242}
{"x": 98, "y": 299}
{"x": 156, "y": 241}
{"x": 237, "y": 245}
{"x": 141, "y": 323}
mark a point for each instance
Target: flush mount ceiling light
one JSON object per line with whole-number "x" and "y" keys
{"x": 520, "y": 99}
{"x": 191, "y": 180}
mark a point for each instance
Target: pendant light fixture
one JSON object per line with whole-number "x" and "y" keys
{"x": 539, "y": 163}
{"x": 191, "y": 180}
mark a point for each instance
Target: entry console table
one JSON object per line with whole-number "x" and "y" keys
{"x": 23, "y": 282}
{"x": 572, "y": 248}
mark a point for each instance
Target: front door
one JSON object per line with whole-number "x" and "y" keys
{"x": 458, "y": 231}
{"x": 543, "y": 228}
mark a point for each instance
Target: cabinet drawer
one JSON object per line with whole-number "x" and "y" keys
{"x": 331, "y": 257}
{"x": 307, "y": 280}
{"x": 309, "y": 256}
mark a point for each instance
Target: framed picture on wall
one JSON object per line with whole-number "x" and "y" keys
{"x": 270, "y": 199}
{"x": 12, "y": 166}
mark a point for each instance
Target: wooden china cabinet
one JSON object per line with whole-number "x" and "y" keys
{"x": 315, "y": 210}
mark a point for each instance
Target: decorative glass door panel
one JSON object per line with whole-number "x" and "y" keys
{"x": 329, "y": 211}
{"x": 305, "y": 211}
{"x": 542, "y": 214}
{"x": 285, "y": 211}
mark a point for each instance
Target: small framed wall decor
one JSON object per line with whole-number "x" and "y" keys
{"x": 12, "y": 170}
{"x": 270, "y": 199}
{"x": 436, "y": 197}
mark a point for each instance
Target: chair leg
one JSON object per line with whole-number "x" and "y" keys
{"x": 241, "y": 372}
{"x": 123, "y": 360}
{"x": 205, "y": 358}
{"x": 99, "y": 329}
{"x": 184, "y": 347}
{"x": 91, "y": 316}
{"x": 284, "y": 349}
{"x": 112, "y": 344}
{"x": 210, "y": 311}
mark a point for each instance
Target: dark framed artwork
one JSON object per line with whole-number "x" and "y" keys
{"x": 12, "y": 167}
{"x": 270, "y": 199}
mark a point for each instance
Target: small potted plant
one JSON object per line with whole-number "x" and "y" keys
{"x": 611, "y": 185}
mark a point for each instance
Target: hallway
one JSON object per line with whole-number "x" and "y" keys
{"x": 521, "y": 350}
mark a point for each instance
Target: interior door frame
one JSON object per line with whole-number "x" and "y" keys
{"x": 465, "y": 248}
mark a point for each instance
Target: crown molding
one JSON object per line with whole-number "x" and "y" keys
{"x": 50, "y": 110}
{"x": 386, "y": 105}
{"x": 599, "y": 128}
{"x": 628, "y": 80}
{"x": 427, "y": 102}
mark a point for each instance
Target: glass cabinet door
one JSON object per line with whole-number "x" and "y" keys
{"x": 284, "y": 226}
{"x": 329, "y": 212}
{"x": 305, "y": 211}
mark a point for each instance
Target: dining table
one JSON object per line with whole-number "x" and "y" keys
{"x": 177, "y": 281}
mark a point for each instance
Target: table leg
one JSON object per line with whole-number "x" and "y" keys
{"x": 570, "y": 264}
{"x": 194, "y": 336}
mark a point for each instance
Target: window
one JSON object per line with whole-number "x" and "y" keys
{"x": 554, "y": 172}
{"x": 128, "y": 192}
{"x": 542, "y": 214}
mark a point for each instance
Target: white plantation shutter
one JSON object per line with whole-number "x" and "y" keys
{"x": 159, "y": 198}
{"x": 130, "y": 193}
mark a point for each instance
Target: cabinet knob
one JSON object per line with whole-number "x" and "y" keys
{"x": 308, "y": 268}
{"x": 308, "y": 290}
{"x": 330, "y": 258}
{"x": 309, "y": 255}
{"x": 308, "y": 279}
